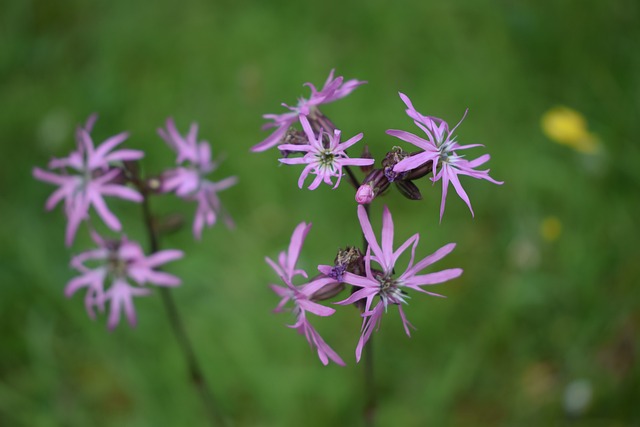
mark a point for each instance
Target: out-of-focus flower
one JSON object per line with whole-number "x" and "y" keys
{"x": 577, "y": 397}
{"x": 440, "y": 148}
{"x": 188, "y": 180}
{"x": 550, "y": 228}
{"x": 568, "y": 127}
{"x": 120, "y": 275}
{"x": 384, "y": 284}
{"x": 332, "y": 90}
{"x": 302, "y": 295}
{"x": 324, "y": 161}
{"x": 86, "y": 176}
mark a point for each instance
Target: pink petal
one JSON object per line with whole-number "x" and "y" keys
{"x": 98, "y": 158}
{"x": 163, "y": 257}
{"x": 368, "y": 232}
{"x": 387, "y": 240}
{"x": 431, "y": 259}
{"x": 49, "y": 177}
{"x": 101, "y": 208}
{"x": 458, "y": 187}
{"x": 432, "y": 278}
{"x": 121, "y": 192}
{"x": 411, "y": 138}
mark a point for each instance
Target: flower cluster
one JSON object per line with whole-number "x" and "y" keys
{"x": 382, "y": 285}
{"x": 372, "y": 273}
{"x": 333, "y": 89}
{"x": 88, "y": 174}
{"x": 188, "y": 180}
{"x": 119, "y": 263}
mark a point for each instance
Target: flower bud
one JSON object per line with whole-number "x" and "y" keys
{"x": 409, "y": 190}
{"x": 373, "y": 185}
{"x": 365, "y": 194}
{"x": 319, "y": 122}
{"x": 328, "y": 291}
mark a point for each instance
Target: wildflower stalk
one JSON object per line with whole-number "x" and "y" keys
{"x": 371, "y": 403}
{"x": 352, "y": 177}
{"x": 195, "y": 371}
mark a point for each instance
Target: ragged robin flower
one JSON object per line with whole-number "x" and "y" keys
{"x": 385, "y": 286}
{"x": 324, "y": 158}
{"x": 86, "y": 176}
{"x": 442, "y": 149}
{"x": 122, "y": 273}
{"x": 189, "y": 181}
{"x": 333, "y": 89}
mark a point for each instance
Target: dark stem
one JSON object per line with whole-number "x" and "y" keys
{"x": 352, "y": 177}
{"x": 195, "y": 371}
{"x": 371, "y": 402}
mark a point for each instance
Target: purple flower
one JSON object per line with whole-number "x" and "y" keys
{"x": 286, "y": 266}
{"x": 87, "y": 177}
{"x": 441, "y": 148}
{"x": 387, "y": 286}
{"x": 302, "y": 303}
{"x": 188, "y": 180}
{"x": 324, "y": 161}
{"x": 122, "y": 266}
{"x": 301, "y": 296}
{"x": 332, "y": 90}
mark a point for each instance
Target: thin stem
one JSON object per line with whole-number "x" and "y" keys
{"x": 371, "y": 401}
{"x": 195, "y": 371}
{"x": 352, "y": 177}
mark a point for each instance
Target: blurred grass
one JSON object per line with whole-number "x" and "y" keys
{"x": 529, "y": 316}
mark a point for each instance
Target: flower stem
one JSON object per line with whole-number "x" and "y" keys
{"x": 195, "y": 371}
{"x": 352, "y": 177}
{"x": 371, "y": 401}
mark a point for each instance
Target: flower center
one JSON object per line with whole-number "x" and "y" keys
{"x": 117, "y": 266}
{"x": 387, "y": 284}
{"x": 326, "y": 157}
{"x": 389, "y": 292}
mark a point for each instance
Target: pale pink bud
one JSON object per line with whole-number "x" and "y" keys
{"x": 365, "y": 194}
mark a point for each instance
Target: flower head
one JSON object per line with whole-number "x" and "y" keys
{"x": 568, "y": 127}
{"x": 302, "y": 296}
{"x": 86, "y": 176}
{"x": 385, "y": 285}
{"x": 333, "y": 89}
{"x": 440, "y": 148}
{"x": 188, "y": 179}
{"x": 324, "y": 160}
{"x": 120, "y": 275}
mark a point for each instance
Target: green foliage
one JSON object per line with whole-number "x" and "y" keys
{"x": 527, "y": 318}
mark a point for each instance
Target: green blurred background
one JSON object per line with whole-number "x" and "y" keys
{"x": 545, "y": 314}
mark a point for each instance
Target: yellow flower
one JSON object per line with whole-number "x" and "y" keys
{"x": 568, "y": 127}
{"x": 550, "y": 228}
